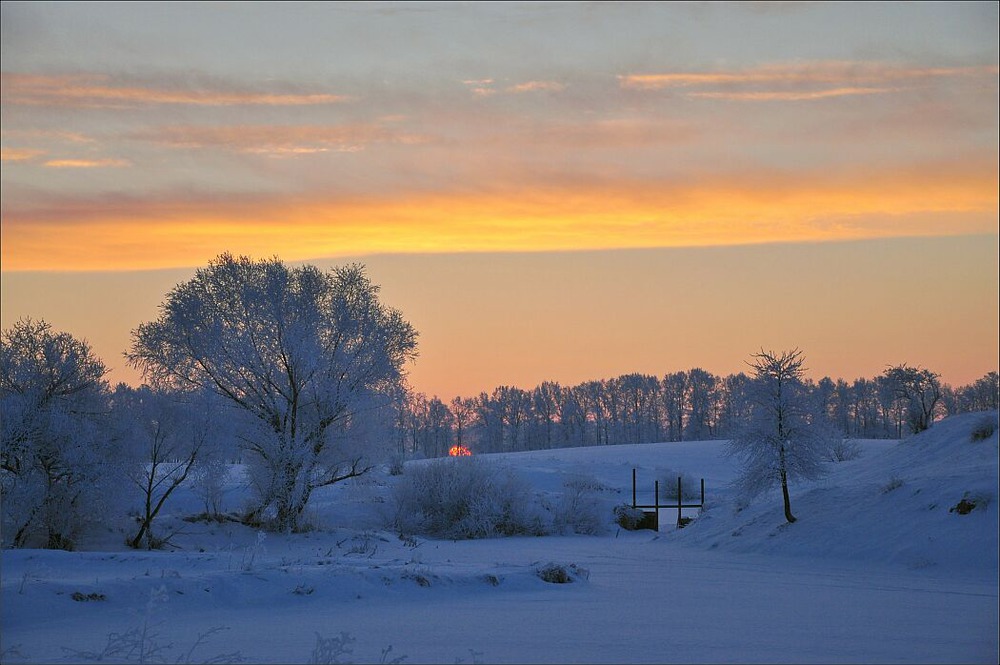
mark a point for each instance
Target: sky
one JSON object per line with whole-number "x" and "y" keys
{"x": 547, "y": 191}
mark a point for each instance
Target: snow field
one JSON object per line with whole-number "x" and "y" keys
{"x": 877, "y": 569}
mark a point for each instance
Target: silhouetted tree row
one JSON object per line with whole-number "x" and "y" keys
{"x": 690, "y": 405}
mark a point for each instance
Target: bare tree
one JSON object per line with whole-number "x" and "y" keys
{"x": 780, "y": 441}
{"x": 168, "y": 435}
{"x": 298, "y": 349}
{"x": 920, "y": 390}
{"x": 982, "y": 395}
{"x": 462, "y": 412}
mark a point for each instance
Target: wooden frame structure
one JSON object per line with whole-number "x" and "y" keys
{"x": 654, "y": 514}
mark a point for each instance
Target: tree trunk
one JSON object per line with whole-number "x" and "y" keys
{"x": 784, "y": 495}
{"x": 136, "y": 542}
{"x": 784, "y": 485}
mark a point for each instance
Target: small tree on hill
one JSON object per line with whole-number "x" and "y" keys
{"x": 781, "y": 440}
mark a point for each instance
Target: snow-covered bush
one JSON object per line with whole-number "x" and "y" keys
{"x": 894, "y": 483}
{"x": 209, "y": 482}
{"x": 464, "y": 497}
{"x": 690, "y": 486}
{"x": 579, "y": 509}
{"x": 843, "y": 450}
{"x": 628, "y": 517}
{"x": 557, "y": 573}
{"x": 984, "y": 429}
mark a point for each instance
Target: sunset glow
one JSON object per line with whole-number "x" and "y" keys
{"x": 462, "y": 140}
{"x": 135, "y": 235}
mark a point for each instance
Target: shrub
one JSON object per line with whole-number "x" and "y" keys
{"x": 894, "y": 483}
{"x": 984, "y": 429}
{"x": 969, "y": 503}
{"x": 690, "y": 487}
{"x": 209, "y": 483}
{"x": 555, "y": 573}
{"x": 462, "y": 498}
{"x": 579, "y": 509}
{"x": 843, "y": 450}
{"x": 396, "y": 465}
{"x": 628, "y": 517}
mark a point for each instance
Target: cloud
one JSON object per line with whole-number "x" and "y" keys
{"x": 800, "y": 81}
{"x": 87, "y": 163}
{"x": 19, "y": 154}
{"x": 536, "y": 86}
{"x": 102, "y": 91}
{"x": 184, "y": 229}
{"x": 48, "y": 135}
{"x": 791, "y": 96}
{"x": 486, "y": 87}
{"x": 279, "y": 140}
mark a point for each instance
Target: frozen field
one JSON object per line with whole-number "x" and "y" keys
{"x": 879, "y": 568}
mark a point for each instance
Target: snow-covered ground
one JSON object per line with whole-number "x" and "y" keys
{"x": 878, "y": 568}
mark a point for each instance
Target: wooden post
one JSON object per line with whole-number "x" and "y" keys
{"x": 702, "y": 492}
{"x": 656, "y": 502}
{"x": 633, "y": 488}
{"x": 679, "y": 501}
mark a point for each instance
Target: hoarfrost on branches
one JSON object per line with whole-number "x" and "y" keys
{"x": 307, "y": 354}
{"x": 782, "y": 440}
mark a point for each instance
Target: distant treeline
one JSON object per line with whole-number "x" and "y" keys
{"x": 681, "y": 406}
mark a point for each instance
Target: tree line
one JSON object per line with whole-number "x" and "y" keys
{"x": 690, "y": 405}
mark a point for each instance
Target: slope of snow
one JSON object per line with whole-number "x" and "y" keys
{"x": 876, "y": 569}
{"x": 896, "y": 505}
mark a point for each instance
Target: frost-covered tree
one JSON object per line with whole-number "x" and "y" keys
{"x": 982, "y": 395}
{"x": 57, "y": 452}
{"x": 781, "y": 439}
{"x": 701, "y": 397}
{"x": 169, "y": 436}
{"x": 299, "y": 349}
{"x": 920, "y": 390}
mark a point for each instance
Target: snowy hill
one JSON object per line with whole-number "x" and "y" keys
{"x": 895, "y": 505}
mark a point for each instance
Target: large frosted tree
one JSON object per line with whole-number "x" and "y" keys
{"x": 58, "y": 468}
{"x": 302, "y": 351}
{"x": 781, "y": 440}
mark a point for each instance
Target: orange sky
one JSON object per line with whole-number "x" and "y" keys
{"x": 478, "y": 144}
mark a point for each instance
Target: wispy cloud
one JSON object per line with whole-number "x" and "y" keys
{"x": 537, "y": 86}
{"x": 791, "y": 96}
{"x": 101, "y": 91}
{"x": 279, "y": 140}
{"x": 799, "y": 81}
{"x": 87, "y": 163}
{"x": 488, "y": 87}
{"x": 19, "y": 154}
{"x": 47, "y": 135}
